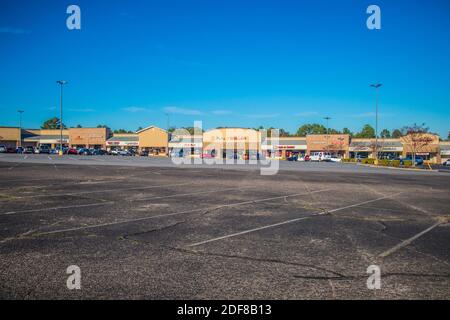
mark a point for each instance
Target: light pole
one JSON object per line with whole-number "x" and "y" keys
{"x": 168, "y": 133}
{"x": 20, "y": 126}
{"x": 376, "y": 86}
{"x": 328, "y": 131}
{"x": 61, "y": 83}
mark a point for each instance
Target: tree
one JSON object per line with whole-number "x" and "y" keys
{"x": 139, "y": 129}
{"x": 79, "y": 126}
{"x": 52, "y": 124}
{"x": 347, "y": 131}
{"x": 121, "y": 131}
{"x": 102, "y": 126}
{"x": 396, "y": 134}
{"x": 313, "y": 128}
{"x": 417, "y": 138}
{"x": 448, "y": 137}
{"x": 385, "y": 133}
{"x": 367, "y": 132}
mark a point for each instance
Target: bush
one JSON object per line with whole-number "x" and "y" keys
{"x": 383, "y": 162}
{"x": 407, "y": 163}
{"x": 395, "y": 163}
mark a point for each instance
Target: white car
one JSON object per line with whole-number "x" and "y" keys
{"x": 320, "y": 156}
{"x": 446, "y": 163}
{"x": 2, "y": 149}
{"x": 335, "y": 159}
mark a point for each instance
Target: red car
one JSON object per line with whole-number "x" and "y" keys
{"x": 307, "y": 158}
{"x": 72, "y": 151}
{"x": 207, "y": 156}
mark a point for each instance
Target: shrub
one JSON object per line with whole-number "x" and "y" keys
{"x": 383, "y": 162}
{"x": 395, "y": 163}
{"x": 407, "y": 163}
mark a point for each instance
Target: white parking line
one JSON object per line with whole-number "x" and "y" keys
{"x": 193, "y": 193}
{"x": 408, "y": 241}
{"x": 103, "y": 191}
{"x": 182, "y": 212}
{"x": 289, "y": 221}
{"x": 57, "y": 208}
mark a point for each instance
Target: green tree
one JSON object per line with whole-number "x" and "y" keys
{"x": 396, "y": 134}
{"x": 347, "y": 131}
{"x": 385, "y": 133}
{"x": 448, "y": 137}
{"x": 367, "y": 132}
{"x": 79, "y": 126}
{"x": 102, "y": 126}
{"x": 313, "y": 128}
{"x": 52, "y": 123}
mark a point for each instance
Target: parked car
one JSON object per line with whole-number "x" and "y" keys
{"x": 210, "y": 156}
{"x": 320, "y": 156}
{"x": 84, "y": 151}
{"x": 29, "y": 150}
{"x": 143, "y": 153}
{"x": 11, "y": 150}
{"x": 44, "y": 149}
{"x": 293, "y": 158}
{"x": 447, "y": 163}
{"x": 419, "y": 160}
{"x": 124, "y": 153}
{"x": 335, "y": 159}
{"x": 98, "y": 152}
{"x": 2, "y": 149}
{"x": 19, "y": 150}
{"x": 72, "y": 151}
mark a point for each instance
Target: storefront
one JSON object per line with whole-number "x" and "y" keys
{"x": 367, "y": 148}
{"x": 182, "y": 146}
{"x": 283, "y": 148}
{"x": 335, "y": 144}
{"x": 89, "y": 137}
{"x": 122, "y": 142}
{"x": 153, "y": 140}
{"x": 232, "y": 143}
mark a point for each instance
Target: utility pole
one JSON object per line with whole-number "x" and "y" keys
{"x": 61, "y": 83}
{"x": 377, "y": 87}
{"x": 168, "y": 133}
{"x": 20, "y": 126}
{"x": 328, "y": 132}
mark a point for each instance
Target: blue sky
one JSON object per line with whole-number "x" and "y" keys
{"x": 227, "y": 63}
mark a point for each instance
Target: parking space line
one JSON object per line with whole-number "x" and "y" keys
{"x": 102, "y": 191}
{"x": 193, "y": 193}
{"x": 182, "y": 212}
{"x": 289, "y": 221}
{"x": 408, "y": 241}
{"x": 57, "y": 208}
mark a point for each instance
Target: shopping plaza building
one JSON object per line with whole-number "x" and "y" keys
{"x": 224, "y": 142}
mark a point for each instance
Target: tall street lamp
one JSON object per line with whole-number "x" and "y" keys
{"x": 168, "y": 133}
{"x": 61, "y": 83}
{"x": 328, "y": 131}
{"x": 377, "y": 87}
{"x": 20, "y": 126}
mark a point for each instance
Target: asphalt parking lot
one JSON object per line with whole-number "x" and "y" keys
{"x": 149, "y": 230}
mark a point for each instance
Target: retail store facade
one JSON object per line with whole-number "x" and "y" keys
{"x": 226, "y": 142}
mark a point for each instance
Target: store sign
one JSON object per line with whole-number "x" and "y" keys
{"x": 122, "y": 143}
{"x": 186, "y": 145}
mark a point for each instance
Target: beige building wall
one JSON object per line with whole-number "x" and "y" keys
{"x": 240, "y": 140}
{"x": 332, "y": 142}
{"x": 9, "y": 137}
{"x": 153, "y": 139}
{"x": 88, "y": 137}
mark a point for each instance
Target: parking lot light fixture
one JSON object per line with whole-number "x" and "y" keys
{"x": 61, "y": 83}
{"x": 20, "y": 126}
{"x": 376, "y": 86}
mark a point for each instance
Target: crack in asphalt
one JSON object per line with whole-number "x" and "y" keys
{"x": 278, "y": 261}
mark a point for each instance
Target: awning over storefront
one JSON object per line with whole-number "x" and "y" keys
{"x": 47, "y": 139}
{"x": 383, "y": 146}
{"x": 123, "y": 141}
{"x": 283, "y": 144}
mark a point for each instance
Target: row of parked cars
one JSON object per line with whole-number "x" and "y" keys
{"x": 44, "y": 149}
